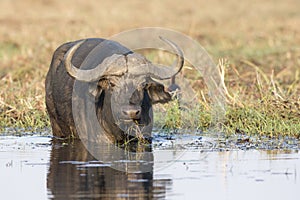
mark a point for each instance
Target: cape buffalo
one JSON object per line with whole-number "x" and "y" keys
{"x": 120, "y": 83}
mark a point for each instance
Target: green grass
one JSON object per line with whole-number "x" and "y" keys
{"x": 269, "y": 118}
{"x": 262, "y": 119}
{"x": 265, "y": 110}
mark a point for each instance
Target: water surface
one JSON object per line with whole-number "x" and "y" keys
{"x": 34, "y": 167}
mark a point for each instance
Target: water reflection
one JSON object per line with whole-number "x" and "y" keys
{"x": 37, "y": 168}
{"x": 75, "y": 173}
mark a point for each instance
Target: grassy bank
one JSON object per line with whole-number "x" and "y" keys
{"x": 261, "y": 72}
{"x": 265, "y": 109}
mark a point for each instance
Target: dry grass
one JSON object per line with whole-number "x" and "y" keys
{"x": 257, "y": 38}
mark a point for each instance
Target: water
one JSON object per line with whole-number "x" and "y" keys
{"x": 33, "y": 167}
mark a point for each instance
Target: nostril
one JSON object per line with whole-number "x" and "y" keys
{"x": 134, "y": 114}
{"x": 137, "y": 112}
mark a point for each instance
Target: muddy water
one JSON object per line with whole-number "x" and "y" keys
{"x": 34, "y": 167}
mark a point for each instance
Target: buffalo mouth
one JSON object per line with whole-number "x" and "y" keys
{"x": 132, "y": 126}
{"x": 134, "y": 122}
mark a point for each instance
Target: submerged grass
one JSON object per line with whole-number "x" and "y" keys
{"x": 260, "y": 72}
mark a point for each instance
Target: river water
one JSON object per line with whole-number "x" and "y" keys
{"x": 35, "y": 167}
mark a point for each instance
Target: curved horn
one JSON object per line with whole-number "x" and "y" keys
{"x": 91, "y": 75}
{"x": 164, "y": 72}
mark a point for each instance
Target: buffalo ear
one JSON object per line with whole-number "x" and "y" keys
{"x": 95, "y": 91}
{"x": 157, "y": 93}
